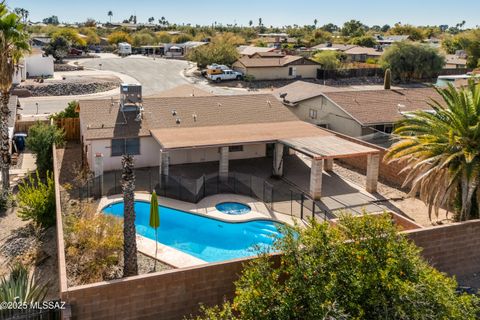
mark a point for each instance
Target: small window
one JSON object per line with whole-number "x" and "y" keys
{"x": 290, "y": 71}
{"x": 235, "y": 148}
{"x": 313, "y": 114}
{"x": 125, "y": 146}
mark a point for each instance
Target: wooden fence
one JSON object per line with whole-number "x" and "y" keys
{"x": 71, "y": 126}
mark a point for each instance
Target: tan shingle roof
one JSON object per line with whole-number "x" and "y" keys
{"x": 249, "y": 50}
{"x": 106, "y": 121}
{"x": 364, "y": 50}
{"x": 271, "y": 62}
{"x": 186, "y": 90}
{"x": 334, "y": 46}
{"x": 382, "y": 106}
{"x": 302, "y": 90}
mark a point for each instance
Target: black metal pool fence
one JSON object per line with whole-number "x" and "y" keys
{"x": 279, "y": 197}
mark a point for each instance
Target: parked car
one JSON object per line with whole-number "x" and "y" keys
{"x": 75, "y": 52}
{"x": 225, "y": 75}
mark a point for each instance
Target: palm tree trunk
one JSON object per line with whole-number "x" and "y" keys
{"x": 130, "y": 267}
{"x": 5, "y": 157}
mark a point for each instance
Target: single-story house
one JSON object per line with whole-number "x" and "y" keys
{"x": 275, "y": 40}
{"x": 251, "y": 50}
{"x": 453, "y": 61}
{"x": 362, "y": 54}
{"x": 340, "y": 47}
{"x": 353, "y": 112}
{"x": 160, "y": 132}
{"x": 173, "y": 50}
{"x": 386, "y": 41}
{"x": 287, "y": 67}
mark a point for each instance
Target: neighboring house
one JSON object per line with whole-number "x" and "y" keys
{"x": 268, "y": 55}
{"x": 386, "y": 41}
{"x": 352, "y": 112}
{"x": 39, "y": 40}
{"x": 177, "y": 50}
{"x": 275, "y": 40}
{"x": 287, "y": 67}
{"x": 332, "y": 47}
{"x": 251, "y": 50}
{"x": 34, "y": 65}
{"x": 160, "y": 132}
{"x": 453, "y": 61}
{"x": 362, "y": 54}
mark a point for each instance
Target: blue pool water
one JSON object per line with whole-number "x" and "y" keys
{"x": 204, "y": 238}
{"x": 234, "y": 208}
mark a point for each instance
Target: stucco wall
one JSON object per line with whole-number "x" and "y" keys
{"x": 37, "y": 66}
{"x": 327, "y": 113}
{"x": 302, "y": 71}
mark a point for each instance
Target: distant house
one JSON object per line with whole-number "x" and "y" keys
{"x": 333, "y": 47}
{"x": 362, "y": 54}
{"x": 275, "y": 40}
{"x": 251, "y": 50}
{"x": 389, "y": 40}
{"x": 287, "y": 67}
{"x": 453, "y": 61}
{"x": 176, "y": 50}
{"x": 356, "y": 113}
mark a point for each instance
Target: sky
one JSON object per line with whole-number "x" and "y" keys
{"x": 272, "y": 12}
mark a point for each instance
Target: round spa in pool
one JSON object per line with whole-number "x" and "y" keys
{"x": 233, "y": 208}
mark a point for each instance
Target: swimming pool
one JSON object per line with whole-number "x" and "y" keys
{"x": 233, "y": 208}
{"x": 208, "y": 239}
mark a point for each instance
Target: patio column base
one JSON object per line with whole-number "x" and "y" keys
{"x": 316, "y": 173}
{"x": 223, "y": 167}
{"x": 165, "y": 163}
{"x": 278, "y": 160}
{"x": 98, "y": 169}
{"x": 329, "y": 164}
{"x": 373, "y": 165}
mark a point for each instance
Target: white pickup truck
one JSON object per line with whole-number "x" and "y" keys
{"x": 225, "y": 75}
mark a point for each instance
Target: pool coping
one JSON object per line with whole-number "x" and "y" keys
{"x": 205, "y": 208}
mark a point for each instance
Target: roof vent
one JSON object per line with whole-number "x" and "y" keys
{"x": 219, "y": 104}
{"x": 174, "y": 112}
{"x": 177, "y": 121}
{"x": 130, "y": 96}
{"x": 269, "y": 103}
{"x": 194, "y": 117}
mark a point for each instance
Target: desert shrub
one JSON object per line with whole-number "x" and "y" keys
{"x": 328, "y": 59}
{"x": 21, "y": 287}
{"x": 360, "y": 269}
{"x": 40, "y": 140}
{"x": 119, "y": 36}
{"x": 36, "y": 200}
{"x": 93, "y": 245}
{"x": 68, "y": 112}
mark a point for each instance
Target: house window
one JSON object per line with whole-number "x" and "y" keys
{"x": 387, "y": 128}
{"x": 125, "y": 146}
{"x": 290, "y": 71}
{"x": 312, "y": 114}
{"x": 235, "y": 148}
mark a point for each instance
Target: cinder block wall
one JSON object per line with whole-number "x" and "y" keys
{"x": 454, "y": 249}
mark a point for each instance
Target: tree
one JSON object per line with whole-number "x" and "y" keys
{"x": 182, "y": 38}
{"x": 90, "y": 23}
{"x": 414, "y": 33}
{"x": 385, "y": 28}
{"x": 71, "y": 35}
{"x": 412, "y": 61}
{"x": 315, "y": 22}
{"x": 51, "y": 20}
{"x": 13, "y": 45}
{"x": 330, "y": 27}
{"x": 23, "y": 13}
{"x": 364, "y": 41}
{"x": 40, "y": 140}
{"x": 163, "y": 37}
{"x": 71, "y": 111}
{"x": 362, "y": 268}
{"x": 442, "y": 153}
{"x": 250, "y": 23}
{"x": 151, "y": 20}
{"x": 222, "y": 50}
{"x": 58, "y": 48}
{"x": 328, "y": 59}
{"x": 468, "y": 41}
{"x": 130, "y": 267}
{"x": 110, "y": 15}
{"x": 119, "y": 36}
{"x": 353, "y": 28}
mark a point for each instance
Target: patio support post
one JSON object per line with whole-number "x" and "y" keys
{"x": 278, "y": 160}
{"x": 98, "y": 170}
{"x": 329, "y": 164}
{"x": 316, "y": 179}
{"x": 165, "y": 163}
{"x": 223, "y": 168}
{"x": 373, "y": 164}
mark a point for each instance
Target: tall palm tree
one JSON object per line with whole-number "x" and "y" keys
{"x": 110, "y": 15}
{"x": 442, "y": 152}
{"x": 13, "y": 44}
{"x": 130, "y": 267}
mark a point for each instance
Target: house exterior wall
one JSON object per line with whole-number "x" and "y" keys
{"x": 37, "y": 66}
{"x": 150, "y": 153}
{"x": 327, "y": 114}
{"x": 277, "y": 73}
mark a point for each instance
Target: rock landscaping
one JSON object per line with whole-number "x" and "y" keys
{"x": 62, "y": 67}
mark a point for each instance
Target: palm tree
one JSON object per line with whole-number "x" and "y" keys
{"x": 130, "y": 267}
{"x": 13, "y": 44}
{"x": 442, "y": 152}
{"x": 110, "y": 15}
{"x": 315, "y": 22}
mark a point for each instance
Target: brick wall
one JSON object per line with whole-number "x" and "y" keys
{"x": 454, "y": 249}
{"x": 168, "y": 295}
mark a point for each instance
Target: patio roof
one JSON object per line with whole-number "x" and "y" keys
{"x": 328, "y": 146}
{"x": 237, "y": 134}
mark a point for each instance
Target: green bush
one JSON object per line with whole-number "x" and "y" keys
{"x": 40, "y": 140}
{"x": 360, "y": 269}
{"x": 328, "y": 59}
{"x": 68, "y": 112}
{"x": 21, "y": 287}
{"x": 36, "y": 200}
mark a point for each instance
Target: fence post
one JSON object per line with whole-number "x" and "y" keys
{"x": 251, "y": 191}
{"x": 273, "y": 197}
{"x": 291, "y": 202}
{"x": 180, "y": 188}
{"x": 301, "y": 206}
{"x": 263, "y": 198}
{"x": 313, "y": 208}
{"x": 204, "y": 186}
